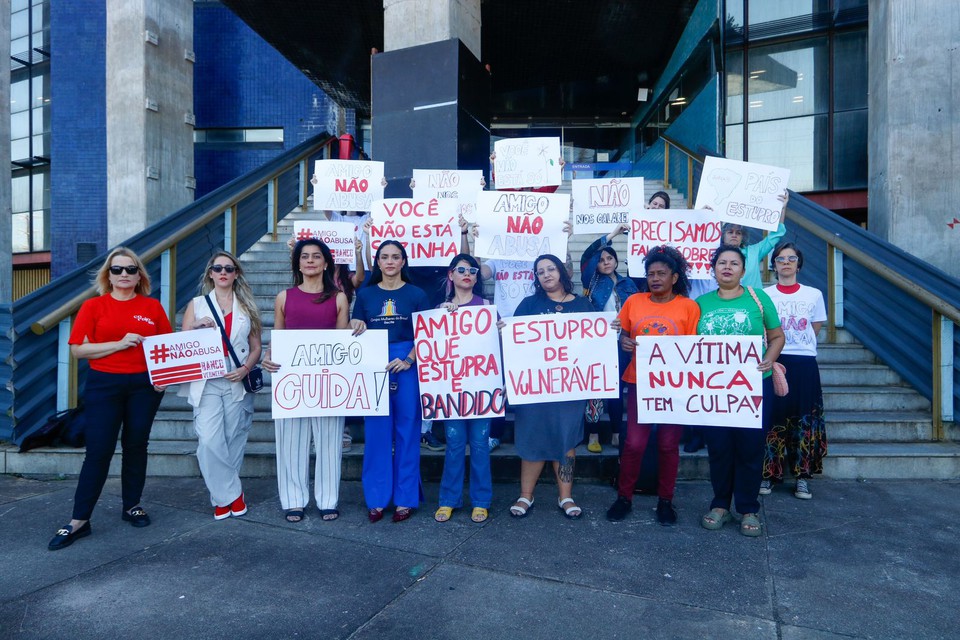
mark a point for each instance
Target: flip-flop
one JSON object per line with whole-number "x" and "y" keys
{"x": 479, "y": 514}
{"x": 521, "y": 512}
{"x": 574, "y": 512}
{"x": 326, "y": 513}
{"x": 294, "y": 513}
{"x": 443, "y": 514}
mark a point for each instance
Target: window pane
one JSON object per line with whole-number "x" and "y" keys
{"x": 224, "y": 135}
{"x": 20, "y": 149}
{"x": 850, "y": 71}
{"x": 19, "y": 24}
{"x": 850, "y": 150}
{"x": 735, "y": 14}
{"x": 735, "y": 142}
{"x": 41, "y": 231}
{"x": 20, "y": 45}
{"x": 264, "y": 135}
{"x": 20, "y": 124}
{"x": 788, "y": 80}
{"x": 734, "y": 64}
{"x": 19, "y": 96}
{"x": 21, "y": 232}
{"x": 767, "y": 10}
{"x": 41, "y": 190}
{"x": 20, "y": 196}
{"x": 798, "y": 144}
{"x": 41, "y": 145}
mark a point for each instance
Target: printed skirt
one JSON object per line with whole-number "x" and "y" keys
{"x": 797, "y": 440}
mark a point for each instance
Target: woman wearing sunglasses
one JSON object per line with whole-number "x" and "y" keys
{"x": 222, "y": 408}
{"x": 108, "y": 332}
{"x": 464, "y": 285}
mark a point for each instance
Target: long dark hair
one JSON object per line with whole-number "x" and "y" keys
{"x": 470, "y": 260}
{"x": 562, "y": 268}
{"x": 677, "y": 264}
{"x": 329, "y": 286}
{"x": 343, "y": 280}
{"x": 661, "y": 194}
{"x": 377, "y": 276}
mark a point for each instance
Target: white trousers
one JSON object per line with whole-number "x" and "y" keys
{"x": 293, "y": 461}
{"x": 222, "y": 425}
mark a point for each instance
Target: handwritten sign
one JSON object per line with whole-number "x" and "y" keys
{"x": 563, "y": 356}
{"x": 527, "y": 162}
{"x": 695, "y": 233}
{"x": 442, "y": 184}
{"x": 522, "y": 225}
{"x": 600, "y": 205}
{"x": 347, "y": 185}
{"x": 329, "y": 373}
{"x": 428, "y": 230}
{"x": 338, "y": 236}
{"x": 458, "y": 363}
{"x": 700, "y": 380}
{"x": 743, "y": 192}
{"x": 174, "y": 358}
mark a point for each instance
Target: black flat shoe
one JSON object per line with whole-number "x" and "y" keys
{"x": 136, "y": 517}
{"x": 66, "y": 536}
{"x": 666, "y": 514}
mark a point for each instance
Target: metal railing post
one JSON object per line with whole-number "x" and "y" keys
{"x": 304, "y": 181}
{"x": 834, "y": 292}
{"x": 168, "y": 283}
{"x": 230, "y": 229}
{"x": 66, "y": 368}
{"x": 273, "y": 202}
{"x": 942, "y": 403}
{"x": 690, "y": 193}
{"x": 666, "y": 165}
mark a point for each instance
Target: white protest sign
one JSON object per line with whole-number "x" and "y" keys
{"x": 695, "y": 233}
{"x": 600, "y": 205}
{"x": 460, "y": 185}
{"x": 427, "y": 229}
{"x": 699, "y": 380}
{"x": 527, "y": 162}
{"x": 329, "y": 373}
{"x": 458, "y": 363}
{"x": 340, "y": 237}
{"x": 562, "y": 356}
{"x": 521, "y": 225}
{"x": 743, "y": 192}
{"x": 173, "y": 358}
{"x": 347, "y": 185}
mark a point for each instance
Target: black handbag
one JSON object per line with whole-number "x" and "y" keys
{"x": 253, "y": 381}
{"x": 65, "y": 426}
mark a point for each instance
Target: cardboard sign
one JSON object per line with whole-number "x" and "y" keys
{"x": 696, "y": 233}
{"x": 448, "y": 184}
{"x": 700, "y": 380}
{"x": 522, "y": 225}
{"x": 743, "y": 193}
{"x": 600, "y": 205}
{"x": 347, "y": 185}
{"x": 559, "y": 357}
{"x": 427, "y": 229}
{"x": 329, "y": 373}
{"x": 458, "y": 363}
{"x": 340, "y": 237}
{"x": 527, "y": 162}
{"x": 174, "y": 358}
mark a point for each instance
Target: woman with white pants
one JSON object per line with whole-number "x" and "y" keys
{"x": 222, "y": 408}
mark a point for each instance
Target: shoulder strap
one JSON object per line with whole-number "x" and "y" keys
{"x": 753, "y": 295}
{"x": 223, "y": 332}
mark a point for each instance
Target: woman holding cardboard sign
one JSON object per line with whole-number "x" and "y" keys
{"x": 222, "y": 408}
{"x": 736, "y": 454}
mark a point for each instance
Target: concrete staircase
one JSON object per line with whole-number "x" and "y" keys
{"x": 877, "y": 426}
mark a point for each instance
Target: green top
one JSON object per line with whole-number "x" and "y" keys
{"x": 738, "y": 316}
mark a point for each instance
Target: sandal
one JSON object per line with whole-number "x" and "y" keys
{"x": 402, "y": 513}
{"x": 329, "y": 514}
{"x": 574, "y": 512}
{"x": 294, "y": 515}
{"x": 479, "y": 514}
{"x": 715, "y": 519}
{"x": 443, "y": 514}
{"x": 750, "y": 525}
{"x": 521, "y": 507}
{"x": 375, "y": 515}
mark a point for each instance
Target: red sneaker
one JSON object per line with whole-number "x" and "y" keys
{"x": 238, "y": 507}
{"x": 221, "y": 513}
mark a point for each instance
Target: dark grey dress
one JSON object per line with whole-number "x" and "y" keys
{"x": 548, "y": 430}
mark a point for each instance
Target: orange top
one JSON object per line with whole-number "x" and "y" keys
{"x": 640, "y": 317}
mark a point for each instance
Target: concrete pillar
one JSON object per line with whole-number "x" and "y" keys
{"x": 6, "y": 220}
{"x": 149, "y": 112}
{"x": 408, "y": 23}
{"x": 914, "y": 131}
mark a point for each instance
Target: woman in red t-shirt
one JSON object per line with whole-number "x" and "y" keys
{"x": 108, "y": 332}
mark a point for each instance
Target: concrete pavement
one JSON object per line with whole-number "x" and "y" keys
{"x": 862, "y": 559}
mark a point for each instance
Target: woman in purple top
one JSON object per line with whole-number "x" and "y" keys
{"x": 314, "y": 302}
{"x": 463, "y": 282}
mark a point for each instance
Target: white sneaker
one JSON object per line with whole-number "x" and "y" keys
{"x": 766, "y": 488}
{"x": 803, "y": 489}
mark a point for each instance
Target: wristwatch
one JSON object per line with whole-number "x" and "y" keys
{"x": 410, "y": 361}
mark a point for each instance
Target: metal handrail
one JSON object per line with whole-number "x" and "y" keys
{"x": 212, "y": 211}
{"x": 691, "y": 158}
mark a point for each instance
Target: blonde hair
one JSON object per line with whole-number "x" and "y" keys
{"x": 102, "y": 278}
{"x": 241, "y": 289}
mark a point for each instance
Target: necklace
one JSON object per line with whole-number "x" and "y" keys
{"x": 559, "y": 302}
{"x": 225, "y": 306}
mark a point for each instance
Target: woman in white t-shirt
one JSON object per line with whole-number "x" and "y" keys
{"x": 798, "y": 440}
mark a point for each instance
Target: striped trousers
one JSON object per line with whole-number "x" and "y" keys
{"x": 293, "y": 461}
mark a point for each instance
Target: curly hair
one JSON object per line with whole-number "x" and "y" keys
{"x": 675, "y": 261}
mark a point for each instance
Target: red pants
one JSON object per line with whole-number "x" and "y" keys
{"x": 668, "y": 446}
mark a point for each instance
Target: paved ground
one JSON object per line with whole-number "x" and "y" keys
{"x": 863, "y": 559}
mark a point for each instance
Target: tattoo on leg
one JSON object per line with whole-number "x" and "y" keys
{"x": 566, "y": 469}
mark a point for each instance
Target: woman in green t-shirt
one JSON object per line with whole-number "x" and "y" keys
{"x": 736, "y": 454}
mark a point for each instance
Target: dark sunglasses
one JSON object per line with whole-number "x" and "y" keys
{"x": 462, "y": 270}
{"x": 217, "y": 268}
{"x": 132, "y": 269}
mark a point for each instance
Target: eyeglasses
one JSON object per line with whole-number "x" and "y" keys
{"x": 463, "y": 270}
{"x": 785, "y": 259}
{"x": 217, "y": 268}
{"x": 117, "y": 270}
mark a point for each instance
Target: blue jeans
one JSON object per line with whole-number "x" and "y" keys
{"x": 451, "y": 483}
{"x": 111, "y": 400}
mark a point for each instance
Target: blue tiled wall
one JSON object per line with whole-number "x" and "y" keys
{"x": 240, "y": 81}
{"x": 78, "y": 144}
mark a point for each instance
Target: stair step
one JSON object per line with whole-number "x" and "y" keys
{"x": 865, "y": 374}
{"x": 841, "y": 398}
{"x": 844, "y": 354}
{"x": 878, "y": 426}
